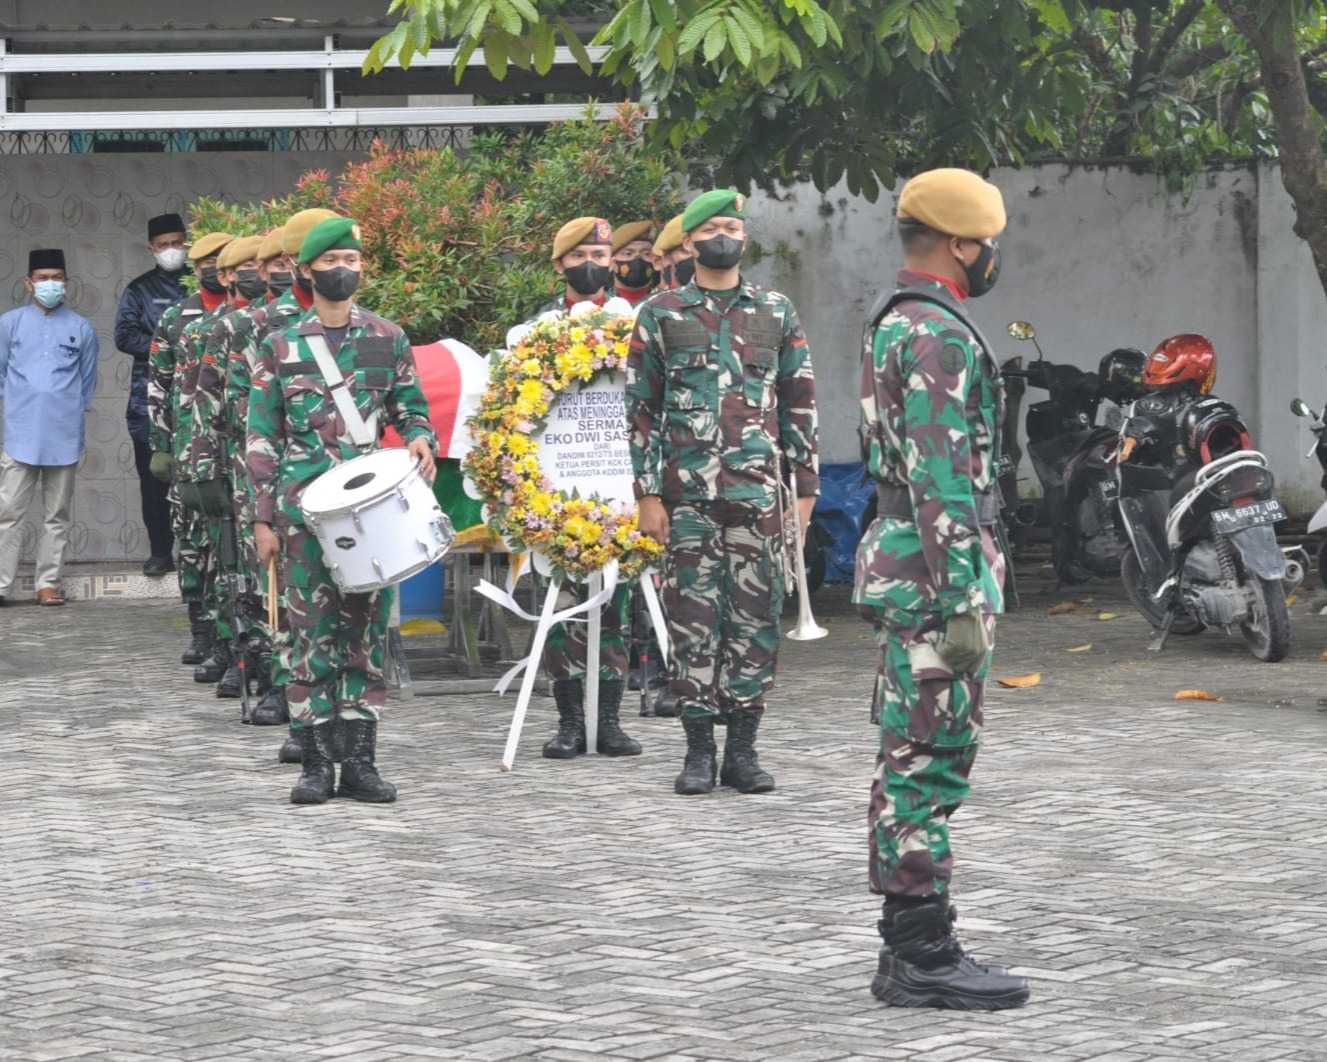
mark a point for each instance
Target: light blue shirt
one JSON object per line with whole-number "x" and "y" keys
{"x": 48, "y": 374}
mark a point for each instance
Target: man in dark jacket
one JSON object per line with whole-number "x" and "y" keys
{"x": 141, "y": 306}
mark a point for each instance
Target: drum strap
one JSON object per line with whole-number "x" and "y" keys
{"x": 362, "y": 433}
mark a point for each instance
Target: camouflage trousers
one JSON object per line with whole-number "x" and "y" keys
{"x": 330, "y": 655}
{"x": 930, "y": 726}
{"x": 567, "y": 647}
{"x": 250, "y": 602}
{"x": 722, "y": 593}
{"x": 197, "y": 562}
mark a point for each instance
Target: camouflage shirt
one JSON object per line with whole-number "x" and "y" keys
{"x": 296, "y": 433}
{"x": 163, "y": 364}
{"x": 719, "y": 388}
{"x": 932, "y": 402}
{"x": 261, "y": 322}
{"x": 196, "y": 449}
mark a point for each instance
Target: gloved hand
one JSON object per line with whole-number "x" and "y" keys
{"x": 211, "y": 497}
{"x": 162, "y": 466}
{"x": 964, "y": 643}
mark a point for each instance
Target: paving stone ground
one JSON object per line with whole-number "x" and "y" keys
{"x": 1155, "y": 867}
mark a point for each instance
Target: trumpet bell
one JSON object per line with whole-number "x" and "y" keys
{"x": 807, "y": 630}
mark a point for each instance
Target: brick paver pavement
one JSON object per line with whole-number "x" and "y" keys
{"x": 1155, "y": 867}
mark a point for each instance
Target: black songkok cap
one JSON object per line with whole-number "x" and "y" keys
{"x": 51, "y": 258}
{"x": 163, "y": 223}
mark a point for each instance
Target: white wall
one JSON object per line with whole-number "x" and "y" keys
{"x": 1096, "y": 258}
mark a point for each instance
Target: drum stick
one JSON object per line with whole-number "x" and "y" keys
{"x": 271, "y": 595}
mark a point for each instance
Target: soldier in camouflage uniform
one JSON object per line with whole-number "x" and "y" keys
{"x": 675, "y": 263}
{"x": 330, "y": 659}
{"x": 166, "y": 378}
{"x": 291, "y": 298}
{"x": 720, "y": 392}
{"x": 930, "y": 576}
{"x": 581, "y": 252}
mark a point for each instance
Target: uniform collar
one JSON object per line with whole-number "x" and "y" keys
{"x": 911, "y": 278}
{"x": 691, "y": 295}
{"x": 312, "y": 324}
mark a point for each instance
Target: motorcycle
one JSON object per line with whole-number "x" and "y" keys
{"x": 1203, "y": 553}
{"x": 1072, "y": 437}
{"x": 1319, "y": 521}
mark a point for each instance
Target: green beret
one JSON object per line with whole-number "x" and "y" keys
{"x": 720, "y": 202}
{"x": 955, "y": 202}
{"x": 334, "y": 234}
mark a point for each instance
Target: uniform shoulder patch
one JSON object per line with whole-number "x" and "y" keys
{"x": 953, "y": 359}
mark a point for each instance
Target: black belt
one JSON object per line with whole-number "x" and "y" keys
{"x": 896, "y": 503}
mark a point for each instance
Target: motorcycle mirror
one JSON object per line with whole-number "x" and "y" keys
{"x": 1022, "y": 330}
{"x": 1300, "y": 408}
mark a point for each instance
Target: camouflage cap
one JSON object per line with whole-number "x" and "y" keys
{"x": 632, "y": 230}
{"x": 240, "y": 249}
{"x": 207, "y": 246}
{"x": 670, "y": 237}
{"x": 271, "y": 245}
{"x": 718, "y": 202}
{"x": 579, "y": 231}
{"x": 955, "y": 202}
{"x": 334, "y": 234}
{"x": 297, "y": 226}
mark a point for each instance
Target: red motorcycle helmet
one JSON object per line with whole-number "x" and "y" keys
{"x": 1186, "y": 357}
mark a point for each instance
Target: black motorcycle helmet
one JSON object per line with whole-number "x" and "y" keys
{"x": 1120, "y": 374}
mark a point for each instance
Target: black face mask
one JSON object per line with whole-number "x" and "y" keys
{"x": 719, "y": 252}
{"x": 984, "y": 272}
{"x": 250, "y": 284}
{"x": 635, "y": 274}
{"x": 336, "y": 285}
{"x": 209, "y": 282}
{"x": 279, "y": 281}
{"x": 587, "y": 278}
{"x": 303, "y": 282}
{"x": 684, "y": 271}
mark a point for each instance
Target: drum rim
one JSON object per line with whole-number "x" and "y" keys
{"x": 415, "y": 472}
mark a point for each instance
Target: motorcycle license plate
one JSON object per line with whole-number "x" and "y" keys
{"x": 1224, "y": 521}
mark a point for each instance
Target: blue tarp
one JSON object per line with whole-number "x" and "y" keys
{"x": 843, "y": 498}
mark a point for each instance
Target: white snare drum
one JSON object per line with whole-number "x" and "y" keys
{"x": 376, "y": 520}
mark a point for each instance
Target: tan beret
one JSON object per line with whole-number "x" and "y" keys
{"x": 632, "y": 230}
{"x": 955, "y": 202}
{"x": 671, "y": 236}
{"x": 207, "y": 246}
{"x": 582, "y": 230}
{"x": 300, "y": 225}
{"x": 240, "y": 249}
{"x": 271, "y": 245}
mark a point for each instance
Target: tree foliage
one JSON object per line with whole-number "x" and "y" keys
{"x": 458, "y": 243}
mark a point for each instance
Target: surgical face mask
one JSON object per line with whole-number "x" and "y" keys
{"x": 50, "y": 293}
{"x": 636, "y": 274}
{"x": 336, "y": 285}
{"x": 985, "y": 271}
{"x": 684, "y": 271}
{"x": 210, "y": 283}
{"x": 279, "y": 281}
{"x": 250, "y": 283}
{"x": 719, "y": 252}
{"x": 587, "y": 278}
{"x": 171, "y": 260}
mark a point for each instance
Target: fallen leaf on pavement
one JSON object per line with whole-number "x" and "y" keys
{"x": 1020, "y": 682}
{"x": 1196, "y": 695}
{"x": 1108, "y": 615}
{"x": 1080, "y": 648}
{"x": 1061, "y": 608}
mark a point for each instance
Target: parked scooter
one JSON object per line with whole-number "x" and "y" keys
{"x": 1197, "y": 503}
{"x": 1072, "y": 438}
{"x": 1319, "y": 521}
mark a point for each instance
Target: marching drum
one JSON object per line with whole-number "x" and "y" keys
{"x": 376, "y": 520}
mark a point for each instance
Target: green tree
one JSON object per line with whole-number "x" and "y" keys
{"x": 834, "y": 89}
{"x": 458, "y": 243}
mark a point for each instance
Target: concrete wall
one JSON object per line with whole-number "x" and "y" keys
{"x": 1096, "y": 258}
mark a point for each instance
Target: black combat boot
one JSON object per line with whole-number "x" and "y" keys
{"x": 359, "y": 776}
{"x": 214, "y": 667}
{"x": 611, "y": 740}
{"x": 290, "y": 751}
{"x": 741, "y": 768}
{"x": 271, "y": 709}
{"x": 228, "y": 685}
{"x": 317, "y": 780}
{"x": 922, "y": 963}
{"x": 569, "y": 741}
{"x": 698, "y": 769}
{"x": 203, "y": 635}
